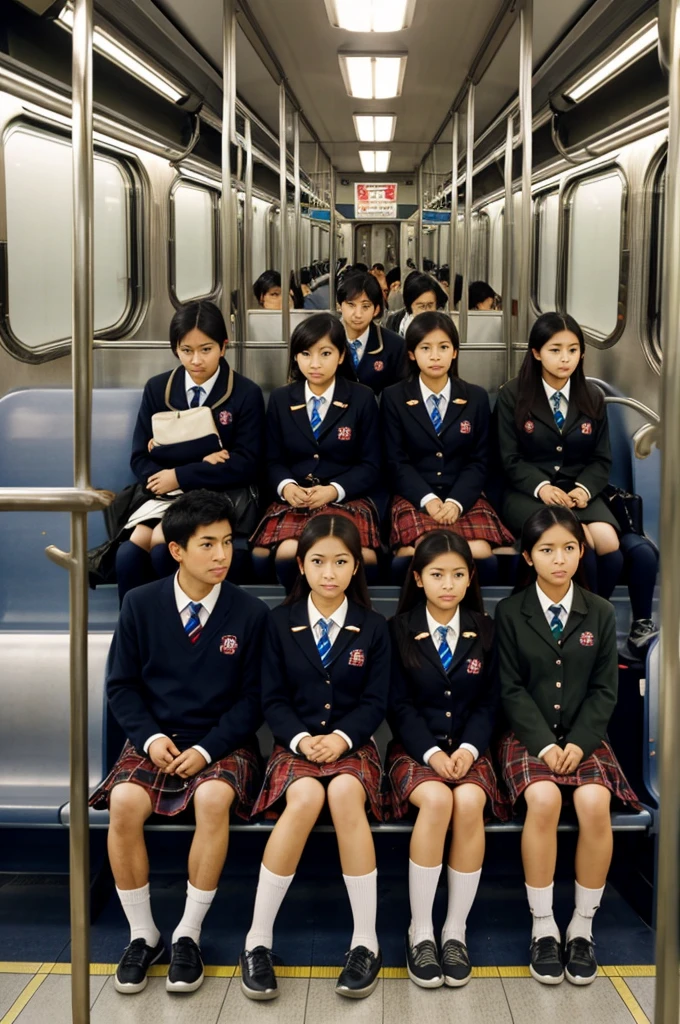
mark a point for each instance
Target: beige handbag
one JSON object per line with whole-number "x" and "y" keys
{"x": 179, "y": 425}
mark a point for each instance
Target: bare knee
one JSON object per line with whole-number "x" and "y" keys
{"x": 212, "y": 803}
{"x": 469, "y": 802}
{"x": 605, "y": 538}
{"x": 141, "y": 536}
{"x": 346, "y": 798}
{"x": 305, "y": 798}
{"x": 369, "y": 556}
{"x": 480, "y": 549}
{"x": 287, "y": 549}
{"x": 434, "y": 800}
{"x": 129, "y": 807}
{"x": 544, "y": 803}
{"x": 261, "y": 552}
{"x": 157, "y": 536}
{"x": 592, "y": 805}
{"x": 405, "y": 552}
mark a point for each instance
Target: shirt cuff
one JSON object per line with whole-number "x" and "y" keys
{"x": 339, "y": 732}
{"x": 284, "y": 483}
{"x": 545, "y": 750}
{"x": 428, "y": 497}
{"x": 473, "y": 750}
{"x": 156, "y": 736}
{"x": 428, "y": 754}
{"x": 584, "y": 488}
{"x": 454, "y": 502}
{"x": 341, "y": 491}
{"x": 204, "y": 753}
{"x": 542, "y": 484}
{"x": 296, "y": 739}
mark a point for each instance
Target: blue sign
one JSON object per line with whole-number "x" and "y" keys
{"x": 436, "y": 217}
{"x": 315, "y": 214}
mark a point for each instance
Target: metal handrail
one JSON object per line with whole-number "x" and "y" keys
{"x": 526, "y": 22}
{"x": 508, "y": 247}
{"x": 632, "y": 403}
{"x": 53, "y": 499}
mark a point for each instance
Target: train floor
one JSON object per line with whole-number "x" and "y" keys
{"x": 312, "y": 933}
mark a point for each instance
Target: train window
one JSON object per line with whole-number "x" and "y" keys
{"x": 495, "y": 277}
{"x": 39, "y": 184}
{"x": 654, "y": 288}
{"x": 479, "y": 262}
{"x": 595, "y": 214}
{"x": 547, "y": 219}
{"x": 194, "y": 241}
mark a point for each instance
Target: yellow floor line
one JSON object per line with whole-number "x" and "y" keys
{"x": 637, "y": 971}
{"x": 631, "y": 1002}
{"x": 23, "y": 999}
{"x": 8, "y": 967}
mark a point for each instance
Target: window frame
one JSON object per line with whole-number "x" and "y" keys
{"x": 538, "y": 198}
{"x": 653, "y": 267}
{"x": 480, "y": 228}
{"x": 180, "y": 181}
{"x": 135, "y": 186}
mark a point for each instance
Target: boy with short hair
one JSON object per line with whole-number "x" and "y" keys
{"x": 184, "y": 684}
{"x": 378, "y": 355}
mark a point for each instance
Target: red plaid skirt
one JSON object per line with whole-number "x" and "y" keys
{"x": 281, "y": 522}
{"x": 405, "y": 774}
{"x": 285, "y": 767}
{"x": 520, "y": 769}
{"x": 481, "y": 522}
{"x": 171, "y": 794}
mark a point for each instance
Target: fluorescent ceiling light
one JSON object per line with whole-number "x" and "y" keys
{"x": 641, "y": 42}
{"x": 125, "y": 58}
{"x": 370, "y": 15}
{"x": 375, "y": 161}
{"x": 375, "y": 127}
{"x": 373, "y": 78}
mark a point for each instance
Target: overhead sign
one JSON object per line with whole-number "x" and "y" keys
{"x": 436, "y": 217}
{"x": 375, "y": 201}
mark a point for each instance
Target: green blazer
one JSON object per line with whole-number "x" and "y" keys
{"x": 557, "y": 691}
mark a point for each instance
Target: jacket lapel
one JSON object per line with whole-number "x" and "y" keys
{"x": 298, "y": 409}
{"x": 544, "y": 413}
{"x": 220, "y": 613}
{"x": 579, "y": 610}
{"x": 416, "y": 408}
{"x": 531, "y": 609}
{"x": 457, "y": 404}
{"x": 421, "y": 634}
{"x": 338, "y": 407}
{"x": 374, "y": 345}
{"x": 303, "y": 635}
{"x": 573, "y": 416}
{"x": 466, "y": 641}
{"x": 354, "y": 622}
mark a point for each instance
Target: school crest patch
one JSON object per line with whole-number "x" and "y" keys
{"x": 587, "y": 427}
{"x": 344, "y": 433}
{"x": 378, "y": 365}
{"x": 474, "y": 666}
{"x": 225, "y": 417}
{"x": 228, "y": 645}
{"x": 529, "y": 427}
{"x": 357, "y": 657}
{"x": 466, "y": 427}
{"x": 586, "y": 639}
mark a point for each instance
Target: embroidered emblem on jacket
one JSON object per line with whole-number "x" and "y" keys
{"x": 344, "y": 433}
{"x": 378, "y": 365}
{"x": 466, "y": 427}
{"x": 225, "y": 417}
{"x": 587, "y": 427}
{"x": 357, "y": 657}
{"x": 586, "y": 640}
{"x": 529, "y": 427}
{"x": 474, "y": 666}
{"x": 228, "y": 645}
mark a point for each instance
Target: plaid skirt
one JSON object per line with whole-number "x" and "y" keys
{"x": 481, "y": 522}
{"x": 520, "y": 769}
{"x": 404, "y": 774}
{"x": 285, "y": 767}
{"x": 281, "y": 522}
{"x": 171, "y": 794}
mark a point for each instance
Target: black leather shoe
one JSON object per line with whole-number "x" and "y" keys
{"x": 422, "y": 964}
{"x": 359, "y": 976}
{"x": 186, "y": 966}
{"x": 134, "y": 963}
{"x": 456, "y": 963}
{"x": 546, "y": 961}
{"x": 581, "y": 965}
{"x": 258, "y": 980}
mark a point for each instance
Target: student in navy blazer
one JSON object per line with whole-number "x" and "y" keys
{"x": 444, "y": 699}
{"x": 323, "y": 445}
{"x": 228, "y": 461}
{"x": 183, "y": 683}
{"x": 325, "y": 680}
{"x": 378, "y": 355}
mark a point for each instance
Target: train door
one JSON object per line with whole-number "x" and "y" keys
{"x": 377, "y": 243}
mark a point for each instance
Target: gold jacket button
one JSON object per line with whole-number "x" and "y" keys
{"x": 327, "y": 707}
{"x": 558, "y": 685}
{"x": 448, "y": 714}
{"x": 559, "y": 448}
{"x": 323, "y": 723}
{"x": 440, "y": 455}
{"x": 447, "y": 693}
{"x": 316, "y": 456}
{"x": 559, "y": 661}
{"x": 557, "y": 706}
{"x": 438, "y": 474}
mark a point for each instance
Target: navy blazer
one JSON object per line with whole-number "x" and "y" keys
{"x": 347, "y": 450}
{"x": 429, "y": 707}
{"x": 350, "y": 694}
{"x": 206, "y": 693}
{"x": 451, "y": 464}
{"x": 238, "y": 415}
{"x": 384, "y": 361}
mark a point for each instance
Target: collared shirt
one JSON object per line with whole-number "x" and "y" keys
{"x": 322, "y": 410}
{"x": 452, "y": 635}
{"x": 183, "y": 602}
{"x": 427, "y": 394}
{"x": 363, "y": 342}
{"x": 565, "y": 608}
{"x": 337, "y": 621}
{"x": 207, "y": 386}
{"x": 564, "y": 409}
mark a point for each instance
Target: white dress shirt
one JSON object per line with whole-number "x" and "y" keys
{"x": 363, "y": 342}
{"x": 324, "y": 406}
{"x": 427, "y": 394}
{"x": 452, "y": 634}
{"x": 564, "y": 409}
{"x": 565, "y": 608}
{"x": 207, "y": 386}
{"x": 337, "y": 621}
{"x": 207, "y": 606}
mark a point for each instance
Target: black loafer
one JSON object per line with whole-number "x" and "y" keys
{"x": 258, "y": 980}
{"x": 136, "y": 960}
{"x": 546, "y": 961}
{"x": 456, "y": 963}
{"x": 186, "y": 966}
{"x": 581, "y": 965}
{"x": 359, "y": 976}
{"x": 422, "y": 964}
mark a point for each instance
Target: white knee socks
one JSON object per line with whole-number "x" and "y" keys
{"x": 196, "y": 907}
{"x": 137, "y": 907}
{"x": 271, "y": 890}
{"x": 422, "y": 889}
{"x": 363, "y": 897}
{"x": 587, "y": 902}
{"x": 463, "y": 887}
{"x": 541, "y": 906}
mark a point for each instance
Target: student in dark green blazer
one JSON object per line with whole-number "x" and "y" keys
{"x": 559, "y": 677}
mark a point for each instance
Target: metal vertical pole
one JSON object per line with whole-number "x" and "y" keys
{"x": 332, "y": 244}
{"x": 247, "y": 229}
{"x": 83, "y": 333}
{"x": 283, "y": 186}
{"x": 467, "y": 226}
{"x": 508, "y": 225}
{"x": 228, "y": 222}
{"x": 453, "y": 229}
{"x": 667, "y": 881}
{"x": 297, "y": 206}
{"x": 526, "y": 22}
{"x": 419, "y": 229}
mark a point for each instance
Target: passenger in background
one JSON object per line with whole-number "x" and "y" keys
{"x": 378, "y": 355}
{"x": 190, "y": 715}
{"x": 436, "y": 432}
{"x": 559, "y": 679}
{"x": 380, "y": 277}
{"x": 482, "y": 297}
{"x": 395, "y": 300}
{"x": 422, "y": 294}
{"x": 443, "y": 276}
{"x": 444, "y": 698}
{"x": 324, "y": 644}
{"x": 379, "y": 267}
{"x": 323, "y": 447}
{"x": 554, "y": 443}
{"x": 267, "y": 290}
{"x": 226, "y": 460}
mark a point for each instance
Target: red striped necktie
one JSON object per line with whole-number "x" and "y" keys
{"x": 193, "y": 627}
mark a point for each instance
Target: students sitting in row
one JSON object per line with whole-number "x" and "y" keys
{"x": 377, "y": 355}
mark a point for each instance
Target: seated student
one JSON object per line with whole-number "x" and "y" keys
{"x": 482, "y": 297}
{"x": 325, "y": 679}
{"x": 422, "y": 294}
{"x": 323, "y": 446}
{"x": 378, "y": 355}
{"x": 559, "y": 678}
{"x": 435, "y": 433}
{"x": 442, "y": 708}
{"x": 198, "y": 338}
{"x": 267, "y": 290}
{"x": 553, "y": 440}
{"x": 183, "y": 683}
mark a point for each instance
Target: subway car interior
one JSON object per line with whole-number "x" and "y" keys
{"x": 525, "y": 144}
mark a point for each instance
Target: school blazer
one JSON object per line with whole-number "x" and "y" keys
{"x": 384, "y": 360}
{"x": 347, "y": 450}
{"x": 429, "y": 707}
{"x": 239, "y": 417}
{"x": 451, "y": 464}
{"x": 557, "y": 690}
{"x": 206, "y": 693}
{"x": 539, "y": 451}
{"x": 350, "y": 694}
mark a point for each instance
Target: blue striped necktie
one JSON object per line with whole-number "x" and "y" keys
{"x": 323, "y": 643}
{"x": 557, "y": 412}
{"x": 196, "y": 400}
{"x": 435, "y": 415}
{"x": 556, "y": 626}
{"x": 354, "y": 347}
{"x": 315, "y": 420}
{"x": 193, "y": 627}
{"x": 444, "y": 651}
